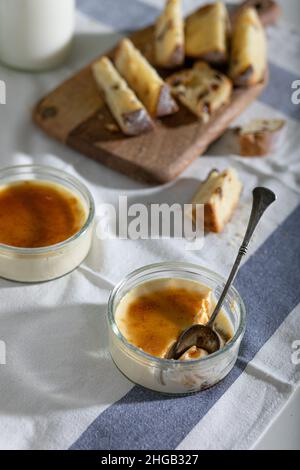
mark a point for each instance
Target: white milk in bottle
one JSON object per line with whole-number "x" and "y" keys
{"x": 35, "y": 34}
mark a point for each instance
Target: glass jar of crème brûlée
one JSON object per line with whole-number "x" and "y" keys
{"x": 46, "y": 224}
{"x": 143, "y": 366}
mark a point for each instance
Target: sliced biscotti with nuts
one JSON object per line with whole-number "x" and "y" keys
{"x": 201, "y": 89}
{"x": 169, "y": 36}
{"x": 154, "y": 93}
{"x": 260, "y": 137}
{"x": 248, "y": 61}
{"x": 220, "y": 194}
{"x": 206, "y": 33}
{"x": 128, "y": 111}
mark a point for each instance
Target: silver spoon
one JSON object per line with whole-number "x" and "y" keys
{"x": 203, "y": 336}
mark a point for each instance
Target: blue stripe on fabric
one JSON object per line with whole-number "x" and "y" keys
{"x": 278, "y": 93}
{"x": 122, "y": 15}
{"x": 269, "y": 284}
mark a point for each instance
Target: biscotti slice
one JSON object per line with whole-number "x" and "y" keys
{"x": 169, "y": 36}
{"x": 206, "y": 33}
{"x": 128, "y": 111}
{"x": 154, "y": 93}
{"x": 220, "y": 194}
{"x": 201, "y": 89}
{"x": 248, "y": 61}
{"x": 260, "y": 137}
{"x": 268, "y": 10}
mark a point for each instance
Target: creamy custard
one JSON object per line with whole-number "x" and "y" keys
{"x": 152, "y": 315}
{"x": 38, "y": 214}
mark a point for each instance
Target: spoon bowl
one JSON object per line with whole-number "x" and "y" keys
{"x": 201, "y": 336}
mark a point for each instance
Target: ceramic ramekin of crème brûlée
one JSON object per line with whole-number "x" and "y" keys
{"x": 46, "y": 223}
{"x": 148, "y": 310}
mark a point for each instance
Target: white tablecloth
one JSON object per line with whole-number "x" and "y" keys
{"x": 59, "y": 387}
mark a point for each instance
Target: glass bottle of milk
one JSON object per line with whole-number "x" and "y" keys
{"x": 35, "y": 34}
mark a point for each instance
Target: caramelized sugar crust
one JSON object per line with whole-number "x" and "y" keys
{"x": 37, "y": 214}
{"x": 153, "y": 321}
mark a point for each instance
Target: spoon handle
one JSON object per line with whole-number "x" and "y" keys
{"x": 262, "y": 199}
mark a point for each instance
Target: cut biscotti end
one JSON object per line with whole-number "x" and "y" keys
{"x": 260, "y": 137}
{"x": 248, "y": 61}
{"x": 125, "y": 107}
{"x": 268, "y": 10}
{"x": 169, "y": 36}
{"x": 202, "y": 89}
{"x": 150, "y": 88}
{"x": 206, "y": 33}
{"x": 220, "y": 194}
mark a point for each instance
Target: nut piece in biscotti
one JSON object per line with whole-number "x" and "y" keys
{"x": 154, "y": 93}
{"x": 127, "y": 110}
{"x": 220, "y": 194}
{"x": 206, "y": 33}
{"x": 201, "y": 89}
{"x": 248, "y": 61}
{"x": 260, "y": 137}
{"x": 169, "y": 36}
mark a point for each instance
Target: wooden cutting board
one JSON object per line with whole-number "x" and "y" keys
{"x": 75, "y": 114}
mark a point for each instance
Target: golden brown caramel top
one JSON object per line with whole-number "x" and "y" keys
{"x": 37, "y": 214}
{"x": 152, "y": 318}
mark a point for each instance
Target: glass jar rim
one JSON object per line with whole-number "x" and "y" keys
{"x": 183, "y": 266}
{"x": 63, "y": 177}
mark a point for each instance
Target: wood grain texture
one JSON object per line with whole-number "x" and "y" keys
{"x": 75, "y": 114}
